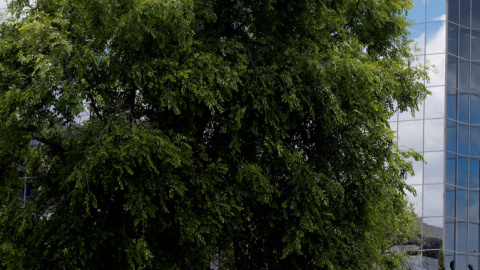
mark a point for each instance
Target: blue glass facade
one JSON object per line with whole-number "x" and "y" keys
{"x": 462, "y": 135}
{"x": 424, "y": 131}
{"x": 446, "y": 130}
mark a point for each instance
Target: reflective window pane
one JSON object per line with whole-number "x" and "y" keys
{"x": 474, "y": 171}
{"x": 432, "y": 231}
{"x": 451, "y": 136}
{"x": 473, "y": 205}
{"x": 434, "y": 135}
{"x": 475, "y": 77}
{"x": 433, "y": 168}
{"x": 453, "y": 39}
{"x": 463, "y": 107}
{"x": 453, "y": 10}
{"x": 436, "y": 10}
{"x": 433, "y": 200}
{"x": 472, "y": 262}
{"x": 417, "y": 13}
{"x": 418, "y": 169}
{"x": 450, "y": 234}
{"x": 462, "y": 172}
{"x": 450, "y": 170}
{"x": 473, "y": 238}
{"x": 461, "y": 262}
{"x": 475, "y": 14}
{"x": 452, "y": 71}
{"x": 414, "y": 260}
{"x": 463, "y": 140}
{"x": 437, "y": 75}
{"x": 474, "y": 109}
{"x": 452, "y": 105}
{"x": 474, "y": 141}
{"x": 463, "y": 75}
{"x": 430, "y": 259}
{"x": 435, "y": 103}
{"x": 410, "y": 134}
{"x": 465, "y": 13}
{"x": 450, "y": 261}
{"x": 464, "y": 43}
{"x": 435, "y": 37}
{"x": 461, "y": 237}
{"x": 450, "y": 201}
{"x": 475, "y": 45}
{"x": 461, "y": 207}
{"x": 416, "y": 200}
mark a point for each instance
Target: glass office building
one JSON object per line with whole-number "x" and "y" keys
{"x": 446, "y": 130}
{"x": 424, "y": 132}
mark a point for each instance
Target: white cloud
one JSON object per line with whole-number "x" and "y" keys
{"x": 436, "y": 44}
{"x": 433, "y": 200}
{"x": 434, "y": 135}
{"x": 410, "y": 135}
{"x": 435, "y": 103}
{"x": 442, "y": 17}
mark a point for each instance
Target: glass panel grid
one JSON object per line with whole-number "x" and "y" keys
{"x": 462, "y": 138}
{"x": 426, "y": 133}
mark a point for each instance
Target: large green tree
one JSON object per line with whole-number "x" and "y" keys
{"x": 247, "y": 134}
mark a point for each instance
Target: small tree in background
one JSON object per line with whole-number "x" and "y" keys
{"x": 441, "y": 260}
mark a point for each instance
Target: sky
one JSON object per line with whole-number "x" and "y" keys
{"x": 432, "y": 10}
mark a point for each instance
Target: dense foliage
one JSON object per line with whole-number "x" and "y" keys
{"x": 245, "y": 134}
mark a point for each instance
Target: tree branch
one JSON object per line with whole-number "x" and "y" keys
{"x": 45, "y": 141}
{"x": 95, "y": 108}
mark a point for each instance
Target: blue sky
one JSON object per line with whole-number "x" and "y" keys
{"x": 434, "y": 10}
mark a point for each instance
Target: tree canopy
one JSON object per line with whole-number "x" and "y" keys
{"x": 243, "y": 134}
